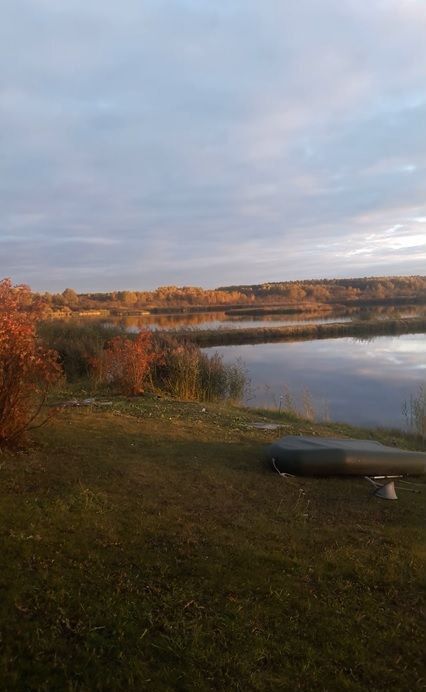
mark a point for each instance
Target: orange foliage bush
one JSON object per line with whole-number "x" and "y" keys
{"x": 27, "y": 369}
{"x": 125, "y": 363}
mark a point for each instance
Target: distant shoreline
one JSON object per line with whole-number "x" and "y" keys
{"x": 241, "y": 309}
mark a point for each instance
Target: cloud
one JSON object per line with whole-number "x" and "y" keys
{"x": 210, "y": 143}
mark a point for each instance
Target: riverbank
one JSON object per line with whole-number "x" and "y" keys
{"x": 147, "y": 546}
{"x": 254, "y": 335}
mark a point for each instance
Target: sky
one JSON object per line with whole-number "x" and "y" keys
{"x": 211, "y": 142}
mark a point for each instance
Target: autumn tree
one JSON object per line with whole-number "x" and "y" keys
{"x": 27, "y": 368}
{"x": 70, "y": 297}
{"x": 296, "y": 293}
{"x": 128, "y": 298}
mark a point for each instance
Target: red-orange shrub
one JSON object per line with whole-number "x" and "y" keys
{"x": 125, "y": 363}
{"x": 27, "y": 369}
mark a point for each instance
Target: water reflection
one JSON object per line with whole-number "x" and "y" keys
{"x": 217, "y": 320}
{"x": 363, "y": 382}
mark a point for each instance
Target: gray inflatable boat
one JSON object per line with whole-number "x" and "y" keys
{"x": 321, "y": 456}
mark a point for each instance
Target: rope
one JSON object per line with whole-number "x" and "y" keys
{"x": 281, "y": 473}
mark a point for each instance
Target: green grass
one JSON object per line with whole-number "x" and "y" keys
{"x": 148, "y": 547}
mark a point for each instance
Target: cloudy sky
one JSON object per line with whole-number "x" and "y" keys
{"x": 211, "y": 142}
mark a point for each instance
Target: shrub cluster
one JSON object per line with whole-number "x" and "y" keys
{"x": 131, "y": 363}
{"x": 27, "y": 368}
{"x": 79, "y": 345}
{"x": 34, "y": 355}
{"x": 125, "y": 363}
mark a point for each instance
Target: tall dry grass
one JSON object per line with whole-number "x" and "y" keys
{"x": 185, "y": 372}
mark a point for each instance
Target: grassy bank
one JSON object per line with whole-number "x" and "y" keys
{"x": 146, "y": 546}
{"x": 253, "y": 335}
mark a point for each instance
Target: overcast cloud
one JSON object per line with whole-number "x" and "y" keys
{"x": 206, "y": 142}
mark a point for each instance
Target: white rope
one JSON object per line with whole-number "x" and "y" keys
{"x": 281, "y": 473}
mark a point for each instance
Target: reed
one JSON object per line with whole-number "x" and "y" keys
{"x": 280, "y": 310}
{"x": 414, "y": 412}
{"x": 183, "y": 371}
{"x": 360, "y": 328}
{"x": 78, "y": 344}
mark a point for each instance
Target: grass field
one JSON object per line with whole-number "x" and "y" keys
{"x": 146, "y": 546}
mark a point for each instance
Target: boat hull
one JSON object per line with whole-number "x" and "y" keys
{"x": 316, "y": 456}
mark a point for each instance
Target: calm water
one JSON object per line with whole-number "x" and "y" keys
{"x": 356, "y": 381}
{"x": 218, "y": 320}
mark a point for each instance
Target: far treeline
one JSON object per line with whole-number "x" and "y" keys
{"x": 346, "y": 291}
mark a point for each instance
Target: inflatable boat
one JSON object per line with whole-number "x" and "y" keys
{"x": 321, "y": 456}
